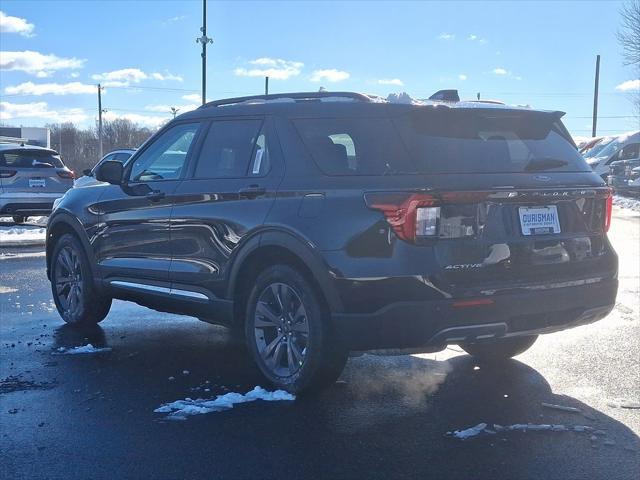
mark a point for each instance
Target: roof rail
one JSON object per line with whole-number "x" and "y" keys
{"x": 298, "y": 96}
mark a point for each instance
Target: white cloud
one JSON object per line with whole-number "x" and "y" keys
{"x": 503, "y": 72}
{"x": 274, "y": 68}
{"x": 30, "y": 88}
{"x": 446, "y": 36}
{"x": 167, "y": 108}
{"x": 476, "y": 38}
{"x": 391, "y": 81}
{"x": 74, "y": 74}
{"x": 192, "y": 97}
{"x": 628, "y": 86}
{"x": 462, "y": 77}
{"x": 9, "y": 24}
{"x": 41, "y": 111}
{"x": 120, "y": 78}
{"x": 171, "y": 20}
{"x": 151, "y": 121}
{"x": 330, "y": 75}
{"x": 166, "y": 76}
{"x": 473, "y": 37}
{"x": 36, "y": 63}
{"x": 126, "y": 76}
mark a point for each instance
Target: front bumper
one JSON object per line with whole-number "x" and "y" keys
{"x": 433, "y": 324}
{"x": 27, "y": 203}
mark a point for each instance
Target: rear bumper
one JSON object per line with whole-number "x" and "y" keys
{"x": 27, "y": 203}
{"x": 433, "y": 324}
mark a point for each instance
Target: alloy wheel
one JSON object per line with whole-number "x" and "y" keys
{"x": 68, "y": 281}
{"x": 281, "y": 329}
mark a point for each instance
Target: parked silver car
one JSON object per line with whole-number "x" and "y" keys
{"x": 88, "y": 177}
{"x": 31, "y": 179}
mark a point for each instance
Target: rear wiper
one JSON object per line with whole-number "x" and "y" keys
{"x": 388, "y": 170}
{"x": 538, "y": 164}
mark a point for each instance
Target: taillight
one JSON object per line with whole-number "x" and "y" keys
{"x": 410, "y": 215}
{"x": 7, "y": 173}
{"x": 66, "y": 174}
{"x": 608, "y": 211}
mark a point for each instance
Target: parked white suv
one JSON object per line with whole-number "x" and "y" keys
{"x": 619, "y": 149}
{"x": 31, "y": 179}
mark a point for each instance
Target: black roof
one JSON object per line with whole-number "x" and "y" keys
{"x": 328, "y": 103}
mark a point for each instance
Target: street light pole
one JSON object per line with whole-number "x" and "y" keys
{"x": 204, "y": 40}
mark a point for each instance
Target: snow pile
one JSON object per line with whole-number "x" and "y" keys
{"x": 181, "y": 409}
{"x": 482, "y": 429}
{"x": 626, "y": 202}
{"x": 14, "y": 236}
{"x": 85, "y": 349}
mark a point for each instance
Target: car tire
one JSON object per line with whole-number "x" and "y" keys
{"x": 289, "y": 333}
{"x": 499, "y": 349}
{"x": 74, "y": 292}
{"x": 19, "y": 219}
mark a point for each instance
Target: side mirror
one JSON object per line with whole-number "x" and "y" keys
{"x": 86, "y": 172}
{"x": 110, "y": 171}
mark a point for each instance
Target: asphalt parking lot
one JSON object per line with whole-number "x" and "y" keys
{"x": 92, "y": 416}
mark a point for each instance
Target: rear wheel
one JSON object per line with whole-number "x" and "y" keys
{"x": 19, "y": 219}
{"x": 73, "y": 290}
{"x": 499, "y": 349}
{"x": 289, "y": 334}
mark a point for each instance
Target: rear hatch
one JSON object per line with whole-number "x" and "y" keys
{"x": 491, "y": 197}
{"x": 33, "y": 171}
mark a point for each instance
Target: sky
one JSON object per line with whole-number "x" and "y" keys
{"x": 144, "y": 53}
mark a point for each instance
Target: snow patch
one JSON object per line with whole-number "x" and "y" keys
{"x": 181, "y": 409}
{"x": 85, "y": 349}
{"x": 626, "y": 202}
{"x": 483, "y": 429}
{"x": 13, "y": 236}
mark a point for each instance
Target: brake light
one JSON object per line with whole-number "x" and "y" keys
{"x": 66, "y": 174}
{"x": 7, "y": 173}
{"x": 608, "y": 211}
{"x": 410, "y": 215}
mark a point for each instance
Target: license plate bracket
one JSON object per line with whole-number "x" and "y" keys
{"x": 539, "y": 220}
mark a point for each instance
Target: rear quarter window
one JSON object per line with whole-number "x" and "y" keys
{"x": 354, "y": 146}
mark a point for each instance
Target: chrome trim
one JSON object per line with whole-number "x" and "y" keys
{"x": 158, "y": 289}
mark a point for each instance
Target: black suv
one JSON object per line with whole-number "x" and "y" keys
{"x": 322, "y": 223}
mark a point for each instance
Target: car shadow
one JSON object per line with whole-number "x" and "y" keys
{"x": 386, "y": 417}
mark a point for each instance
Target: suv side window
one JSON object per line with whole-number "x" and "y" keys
{"x": 229, "y": 148}
{"x": 630, "y": 152}
{"x": 164, "y": 159}
{"x": 261, "y": 160}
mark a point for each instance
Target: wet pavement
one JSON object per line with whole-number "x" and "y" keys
{"x": 92, "y": 416}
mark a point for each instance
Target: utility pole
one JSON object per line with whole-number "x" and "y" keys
{"x": 99, "y": 121}
{"x": 174, "y": 111}
{"x": 204, "y": 40}
{"x": 595, "y": 97}
{"x": 266, "y": 85}
{"x": 478, "y": 95}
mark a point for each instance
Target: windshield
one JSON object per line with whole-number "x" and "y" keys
{"x": 593, "y": 151}
{"x": 29, "y": 159}
{"x": 613, "y": 146}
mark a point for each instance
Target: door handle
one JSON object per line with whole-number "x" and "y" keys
{"x": 155, "y": 195}
{"x": 252, "y": 191}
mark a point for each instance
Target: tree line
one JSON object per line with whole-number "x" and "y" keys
{"x": 79, "y": 148}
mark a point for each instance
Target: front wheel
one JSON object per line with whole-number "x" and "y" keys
{"x": 73, "y": 290}
{"x": 289, "y": 334}
{"x": 499, "y": 349}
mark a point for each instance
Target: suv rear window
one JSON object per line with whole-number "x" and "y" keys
{"x": 488, "y": 141}
{"x": 29, "y": 158}
{"x": 441, "y": 141}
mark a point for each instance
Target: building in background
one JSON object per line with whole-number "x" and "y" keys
{"x": 39, "y": 136}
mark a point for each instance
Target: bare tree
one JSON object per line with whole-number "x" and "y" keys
{"x": 629, "y": 33}
{"x": 629, "y": 39}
